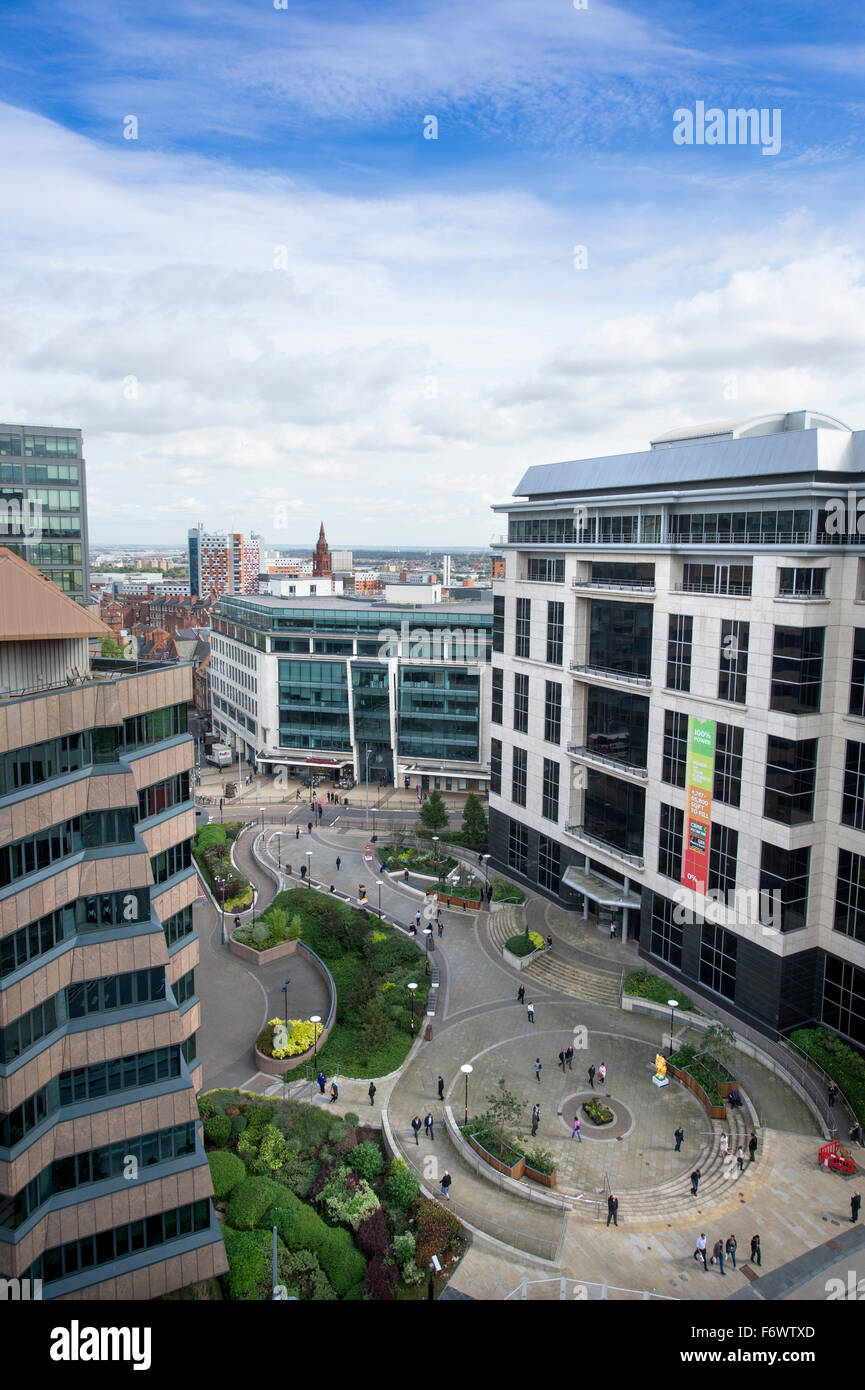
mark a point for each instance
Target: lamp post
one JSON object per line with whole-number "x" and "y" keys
{"x": 674, "y": 1004}
{"x": 315, "y": 1020}
{"x": 309, "y": 867}
{"x": 411, "y": 987}
{"x": 435, "y": 841}
{"x": 285, "y": 998}
{"x": 485, "y": 858}
{"x": 366, "y": 776}
{"x": 378, "y": 885}
{"x": 467, "y": 1070}
{"x": 427, "y": 931}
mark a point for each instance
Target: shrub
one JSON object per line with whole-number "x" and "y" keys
{"x": 381, "y": 1280}
{"x": 249, "y": 1263}
{"x": 347, "y": 1199}
{"x": 226, "y": 1171}
{"x": 302, "y": 1274}
{"x": 250, "y": 1200}
{"x": 241, "y": 901}
{"x": 272, "y": 1152}
{"x": 260, "y": 934}
{"x": 208, "y": 836}
{"x": 410, "y": 1274}
{"x": 474, "y": 826}
{"x": 645, "y": 985}
{"x": 298, "y": 1226}
{"x": 401, "y": 1186}
{"x": 340, "y": 1259}
{"x": 372, "y": 1234}
{"x": 217, "y": 1131}
{"x": 504, "y": 892}
{"x": 541, "y": 1160}
{"x": 238, "y": 1124}
{"x": 403, "y": 1248}
{"x": 436, "y": 1232}
{"x": 520, "y": 945}
{"x": 842, "y": 1062}
{"x": 366, "y": 1160}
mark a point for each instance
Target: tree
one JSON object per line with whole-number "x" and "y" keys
{"x": 504, "y": 1112}
{"x": 111, "y": 648}
{"x": 719, "y": 1041}
{"x": 474, "y": 827}
{"x": 433, "y": 813}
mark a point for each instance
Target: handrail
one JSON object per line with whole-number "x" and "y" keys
{"x": 521, "y": 1291}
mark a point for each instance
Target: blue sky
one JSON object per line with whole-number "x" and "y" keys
{"x": 282, "y": 299}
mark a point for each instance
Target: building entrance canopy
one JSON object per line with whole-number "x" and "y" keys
{"x": 597, "y": 890}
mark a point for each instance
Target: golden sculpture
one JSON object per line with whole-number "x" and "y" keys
{"x": 661, "y": 1065}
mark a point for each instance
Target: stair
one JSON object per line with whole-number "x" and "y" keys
{"x": 550, "y": 970}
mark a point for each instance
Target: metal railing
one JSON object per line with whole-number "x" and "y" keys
{"x": 579, "y": 833}
{"x": 718, "y": 590}
{"x": 603, "y": 673}
{"x": 580, "y": 1290}
{"x": 620, "y": 764}
{"x": 643, "y": 586}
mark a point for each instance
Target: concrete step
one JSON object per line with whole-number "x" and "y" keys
{"x": 576, "y": 980}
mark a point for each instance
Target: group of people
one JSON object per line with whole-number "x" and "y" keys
{"x": 724, "y": 1146}
{"x": 428, "y": 1124}
{"x": 725, "y": 1248}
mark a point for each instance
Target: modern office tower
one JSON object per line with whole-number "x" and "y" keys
{"x": 678, "y": 708}
{"x": 220, "y": 564}
{"x": 43, "y": 503}
{"x": 340, "y": 686}
{"x": 105, "y": 1189}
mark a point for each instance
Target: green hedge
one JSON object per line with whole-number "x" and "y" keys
{"x": 844, "y": 1064}
{"x": 226, "y": 1172}
{"x": 301, "y": 1228}
{"x": 217, "y": 1131}
{"x": 643, "y": 985}
{"x": 505, "y": 892}
{"x": 251, "y": 1199}
{"x": 249, "y": 1263}
{"x": 520, "y": 945}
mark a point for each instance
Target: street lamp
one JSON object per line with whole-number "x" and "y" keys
{"x": 485, "y": 858}
{"x": 674, "y": 1004}
{"x": 315, "y": 1020}
{"x": 411, "y": 987}
{"x": 366, "y": 756}
{"x": 427, "y": 931}
{"x": 378, "y": 885}
{"x": 467, "y": 1070}
{"x": 285, "y": 997}
{"x": 435, "y": 842}
{"x": 309, "y": 867}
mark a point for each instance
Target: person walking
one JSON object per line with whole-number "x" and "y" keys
{"x": 441, "y": 1088}
{"x": 446, "y": 1185}
{"x": 700, "y": 1249}
{"x": 756, "y": 1252}
{"x": 562, "y": 1063}
{"x": 612, "y": 1210}
{"x": 297, "y": 832}
{"x": 591, "y": 1075}
{"x": 731, "y": 1247}
{"x": 831, "y": 1094}
{"x": 415, "y": 1124}
{"x": 309, "y": 827}
{"x": 530, "y": 1010}
{"x": 405, "y": 876}
{"x": 576, "y": 1129}
{"x": 338, "y": 862}
{"x": 521, "y": 994}
{"x": 679, "y": 1136}
{"x": 321, "y": 1079}
{"x": 602, "y": 1073}
{"x": 536, "y": 1119}
{"x": 417, "y": 920}
{"x": 725, "y": 1144}
{"x": 489, "y": 893}
{"x": 740, "y": 1158}
{"x": 549, "y": 943}
{"x": 428, "y": 1127}
{"x": 569, "y": 1057}
{"x": 538, "y": 1070}
{"x": 371, "y": 1093}
{"x": 718, "y": 1253}
{"x": 855, "y": 1204}
{"x": 752, "y": 1146}
{"x": 334, "y": 1092}
{"x": 440, "y": 922}
{"x": 236, "y": 923}
{"x": 695, "y": 1181}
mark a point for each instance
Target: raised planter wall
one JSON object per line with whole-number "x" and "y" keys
{"x": 515, "y": 1172}
{"x": 715, "y": 1112}
{"x": 518, "y": 962}
{"x": 545, "y": 1179}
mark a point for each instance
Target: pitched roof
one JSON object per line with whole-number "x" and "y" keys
{"x": 35, "y": 610}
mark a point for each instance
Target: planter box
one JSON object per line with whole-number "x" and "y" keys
{"x": 515, "y": 1172}
{"x": 518, "y": 962}
{"x": 545, "y": 1179}
{"x": 249, "y": 953}
{"x": 462, "y": 904}
{"x": 715, "y": 1112}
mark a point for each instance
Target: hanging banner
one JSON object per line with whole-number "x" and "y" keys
{"x": 699, "y": 779}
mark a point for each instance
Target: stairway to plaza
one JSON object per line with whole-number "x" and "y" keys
{"x": 551, "y": 969}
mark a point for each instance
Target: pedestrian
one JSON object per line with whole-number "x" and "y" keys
{"x": 309, "y": 827}
{"x": 831, "y": 1094}
{"x": 405, "y": 876}
{"x": 371, "y": 1093}
{"x": 679, "y": 1136}
{"x": 321, "y": 1079}
{"x": 602, "y": 1073}
{"x": 489, "y": 893}
{"x": 612, "y": 1209}
{"x": 441, "y": 926}
{"x": 740, "y": 1158}
{"x": 725, "y": 1144}
{"x": 441, "y": 1088}
{"x": 538, "y": 1070}
{"x": 856, "y": 1134}
{"x": 446, "y": 1185}
{"x": 731, "y": 1247}
{"x": 303, "y": 871}
{"x": 415, "y": 1124}
{"x": 236, "y": 923}
{"x": 700, "y": 1249}
{"x": 718, "y": 1253}
{"x": 417, "y": 920}
{"x": 297, "y": 832}
{"x": 569, "y": 1056}
{"x": 297, "y": 795}
{"x": 549, "y": 943}
{"x": 334, "y": 1092}
{"x": 536, "y": 1119}
{"x": 752, "y": 1146}
{"x": 855, "y": 1204}
{"x": 562, "y": 1062}
{"x": 530, "y": 1010}
{"x": 756, "y": 1252}
{"x": 428, "y": 1127}
{"x": 695, "y": 1181}
{"x": 338, "y": 862}
{"x": 576, "y": 1129}
{"x": 521, "y": 994}
{"x": 591, "y": 1075}
{"x": 612, "y": 931}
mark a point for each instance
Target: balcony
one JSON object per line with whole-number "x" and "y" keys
{"x": 714, "y": 591}
{"x": 579, "y": 833}
{"x": 626, "y": 588}
{"x": 601, "y": 673}
{"x": 593, "y": 757}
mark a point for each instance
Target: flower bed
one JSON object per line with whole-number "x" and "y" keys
{"x": 597, "y": 1112}
{"x": 281, "y": 1039}
{"x": 211, "y": 850}
{"x": 843, "y": 1063}
{"x": 419, "y": 861}
{"x": 706, "y": 1071}
{"x": 643, "y": 985}
{"x": 505, "y": 892}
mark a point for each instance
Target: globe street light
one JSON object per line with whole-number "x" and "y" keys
{"x": 411, "y": 987}
{"x": 285, "y": 998}
{"x": 427, "y": 931}
{"x": 378, "y": 885}
{"x": 435, "y": 840}
{"x": 467, "y": 1070}
{"x": 674, "y": 1004}
{"x": 366, "y": 755}
{"x": 315, "y": 1020}
{"x": 309, "y": 867}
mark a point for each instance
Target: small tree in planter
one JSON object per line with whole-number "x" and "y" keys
{"x": 503, "y": 1113}
{"x": 474, "y": 826}
{"x": 719, "y": 1041}
{"x": 433, "y": 813}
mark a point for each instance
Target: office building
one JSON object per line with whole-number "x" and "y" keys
{"x": 678, "y": 708}
{"x": 105, "y": 1188}
{"x": 43, "y": 503}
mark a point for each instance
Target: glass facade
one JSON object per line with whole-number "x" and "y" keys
{"x": 680, "y": 640}
{"x": 38, "y": 514}
{"x": 797, "y": 670}
{"x": 620, "y": 637}
{"x": 791, "y": 775}
{"x": 733, "y": 661}
{"x": 615, "y": 812}
{"x": 617, "y": 725}
{"x": 786, "y": 872}
{"x": 439, "y": 713}
{"x": 313, "y": 705}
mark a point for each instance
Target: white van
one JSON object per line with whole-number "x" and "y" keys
{"x": 220, "y": 755}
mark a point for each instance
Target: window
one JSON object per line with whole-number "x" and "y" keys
{"x": 797, "y": 670}
{"x": 853, "y": 803}
{"x": 542, "y": 531}
{"x": 550, "y": 790}
{"x": 555, "y": 633}
{"x": 496, "y": 766}
{"x": 161, "y": 796}
{"x": 518, "y": 847}
{"x": 723, "y": 853}
{"x": 791, "y": 772}
{"x": 498, "y": 623}
{"x": 720, "y": 578}
{"x": 39, "y": 851}
{"x": 665, "y": 936}
{"x": 679, "y": 643}
{"x": 617, "y": 726}
{"x": 741, "y": 528}
{"x": 552, "y": 712}
{"x": 718, "y": 960}
{"x": 50, "y": 445}
{"x": 733, "y": 663}
{"x": 90, "y": 1252}
{"x": 620, "y": 637}
{"x": 850, "y": 895}
{"x": 521, "y": 703}
{"x": 615, "y": 812}
{"x": 617, "y": 530}
{"x": 522, "y": 645}
{"x": 178, "y": 926}
{"x": 498, "y": 694}
{"x": 547, "y": 569}
{"x": 729, "y": 741}
{"x": 844, "y": 999}
{"x": 154, "y": 726}
{"x": 549, "y": 863}
{"x": 857, "y": 675}
{"x": 801, "y": 583}
{"x": 675, "y": 749}
{"x": 785, "y": 873}
{"x": 518, "y": 777}
{"x": 627, "y": 575}
{"x": 184, "y": 988}
{"x": 171, "y": 861}
{"x": 670, "y": 842}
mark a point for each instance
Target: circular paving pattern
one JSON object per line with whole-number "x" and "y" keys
{"x": 619, "y": 1128}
